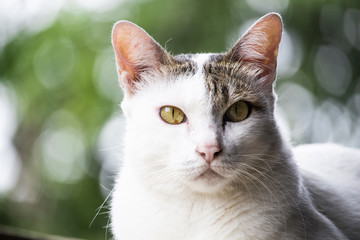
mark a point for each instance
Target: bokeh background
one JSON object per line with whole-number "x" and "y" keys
{"x": 60, "y": 127}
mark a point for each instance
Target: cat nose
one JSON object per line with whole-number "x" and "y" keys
{"x": 208, "y": 152}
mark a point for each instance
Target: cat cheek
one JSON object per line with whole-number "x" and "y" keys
{"x": 125, "y": 108}
{"x": 189, "y": 127}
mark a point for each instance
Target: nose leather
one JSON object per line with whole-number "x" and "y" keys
{"x": 208, "y": 152}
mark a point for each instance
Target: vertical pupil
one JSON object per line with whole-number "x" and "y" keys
{"x": 172, "y": 115}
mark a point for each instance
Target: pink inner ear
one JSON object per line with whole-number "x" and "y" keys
{"x": 261, "y": 42}
{"x": 135, "y": 51}
{"x": 129, "y": 42}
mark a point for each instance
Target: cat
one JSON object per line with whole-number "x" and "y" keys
{"x": 204, "y": 158}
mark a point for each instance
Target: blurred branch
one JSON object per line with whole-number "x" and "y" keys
{"x": 7, "y": 233}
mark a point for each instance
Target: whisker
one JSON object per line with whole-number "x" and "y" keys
{"x": 101, "y": 206}
{"x": 273, "y": 183}
{"x": 107, "y": 227}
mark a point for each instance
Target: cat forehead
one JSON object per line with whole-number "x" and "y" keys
{"x": 225, "y": 81}
{"x": 230, "y": 81}
{"x": 184, "y": 64}
{"x": 183, "y": 80}
{"x": 208, "y": 77}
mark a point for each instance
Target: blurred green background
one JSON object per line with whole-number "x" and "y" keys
{"x": 60, "y": 126}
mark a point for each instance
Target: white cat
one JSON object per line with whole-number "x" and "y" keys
{"x": 204, "y": 158}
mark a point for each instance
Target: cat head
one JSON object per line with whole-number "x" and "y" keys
{"x": 202, "y": 122}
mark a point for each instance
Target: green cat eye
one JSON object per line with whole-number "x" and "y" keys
{"x": 237, "y": 112}
{"x": 172, "y": 115}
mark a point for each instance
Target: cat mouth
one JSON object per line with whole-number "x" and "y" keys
{"x": 209, "y": 174}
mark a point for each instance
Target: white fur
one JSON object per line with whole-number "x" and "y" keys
{"x": 163, "y": 205}
{"x": 158, "y": 195}
{"x": 334, "y": 164}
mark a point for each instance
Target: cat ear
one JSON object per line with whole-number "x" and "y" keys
{"x": 260, "y": 44}
{"x": 136, "y": 52}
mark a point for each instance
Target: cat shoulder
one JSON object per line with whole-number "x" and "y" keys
{"x": 331, "y": 174}
{"x": 329, "y": 161}
{"x": 326, "y": 151}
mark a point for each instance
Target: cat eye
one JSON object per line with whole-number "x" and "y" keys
{"x": 237, "y": 112}
{"x": 172, "y": 115}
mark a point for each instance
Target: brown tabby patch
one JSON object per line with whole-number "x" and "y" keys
{"x": 229, "y": 82}
{"x": 180, "y": 65}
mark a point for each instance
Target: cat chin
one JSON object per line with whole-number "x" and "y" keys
{"x": 209, "y": 182}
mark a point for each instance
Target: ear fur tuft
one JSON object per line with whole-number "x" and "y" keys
{"x": 136, "y": 52}
{"x": 260, "y": 44}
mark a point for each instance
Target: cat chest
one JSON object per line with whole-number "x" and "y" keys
{"x": 147, "y": 216}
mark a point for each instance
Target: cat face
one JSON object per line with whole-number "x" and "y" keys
{"x": 198, "y": 122}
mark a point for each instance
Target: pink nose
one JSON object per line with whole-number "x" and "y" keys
{"x": 208, "y": 152}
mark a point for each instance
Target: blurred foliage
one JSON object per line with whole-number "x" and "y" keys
{"x": 65, "y": 87}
